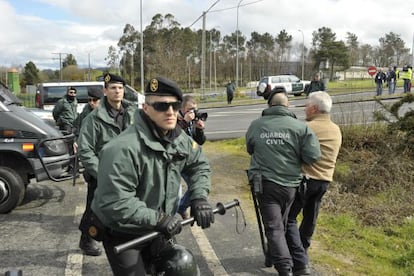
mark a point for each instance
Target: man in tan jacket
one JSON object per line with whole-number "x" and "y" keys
{"x": 316, "y": 179}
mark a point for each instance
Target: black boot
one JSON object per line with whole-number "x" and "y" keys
{"x": 285, "y": 271}
{"x": 89, "y": 246}
{"x": 302, "y": 271}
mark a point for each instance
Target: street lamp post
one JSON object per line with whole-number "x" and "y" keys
{"x": 141, "y": 48}
{"x": 412, "y": 49}
{"x": 237, "y": 45}
{"x": 303, "y": 54}
{"x": 89, "y": 66}
{"x": 210, "y": 65}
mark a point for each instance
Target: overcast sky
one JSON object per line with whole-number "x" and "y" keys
{"x": 34, "y": 30}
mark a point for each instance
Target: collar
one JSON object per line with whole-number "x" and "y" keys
{"x": 157, "y": 132}
{"x": 319, "y": 117}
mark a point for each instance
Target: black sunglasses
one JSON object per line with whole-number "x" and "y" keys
{"x": 164, "y": 106}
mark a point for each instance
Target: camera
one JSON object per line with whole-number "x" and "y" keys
{"x": 200, "y": 115}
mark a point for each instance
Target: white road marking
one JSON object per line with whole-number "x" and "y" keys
{"x": 74, "y": 265}
{"x": 74, "y": 261}
{"x": 207, "y": 251}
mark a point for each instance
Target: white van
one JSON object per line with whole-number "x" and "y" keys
{"x": 48, "y": 93}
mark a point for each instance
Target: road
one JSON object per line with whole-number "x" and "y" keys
{"x": 233, "y": 121}
{"x": 40, "y": 237}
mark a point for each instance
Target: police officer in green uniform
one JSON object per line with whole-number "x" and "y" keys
{"x": 139, "y": 178}
{"x": 65, "y": 111}
{"x": 94, "y": 98}
{"x": 278, "y": 144}
{"x": 108, "y": 120}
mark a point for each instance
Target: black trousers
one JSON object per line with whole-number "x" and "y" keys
{"x": 275, "y": 202}
{"x": 308, "y": 200}
{"x": 92, "y": 184}
{"x": 229, "y": 97}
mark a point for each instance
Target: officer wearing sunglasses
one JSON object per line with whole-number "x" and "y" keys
{"x": 139, "y": 179}
{"x": 94, "y": 98}
{"x": 112, "y": 116}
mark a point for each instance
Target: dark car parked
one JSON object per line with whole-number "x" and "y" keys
{"x": 29, "y": 149}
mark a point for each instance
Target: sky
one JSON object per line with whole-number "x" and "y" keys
{"x": 38, "y": 30}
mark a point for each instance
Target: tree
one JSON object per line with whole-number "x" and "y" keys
{"x": 69, "y": 60}
{"x": 261, "y": 49}
{"x": 284, "y": 40}
{"x": 168, "y": 48}
{"x": 353, "y": 46}
{"x": 366, "y": 53}
{"x": 31, "y": 74}
{"x": 230, "y": 48}
{"x": 128, "y": 44}
{"x": 112, "y": 58}
{"x": 329, "y": 51}
{"x": 393, "y": 49}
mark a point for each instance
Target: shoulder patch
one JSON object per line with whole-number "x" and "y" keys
{"x": 195, "y": 145}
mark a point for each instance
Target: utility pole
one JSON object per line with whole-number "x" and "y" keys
{"x": 203, "y": 57}
{"x": 142, "y": 50}
{"x": 203, "y": 49}
{"x": 303, "y": 54}
{"x": 237, "y": 45}
{"x": 89, "y": 66}
{"x": 60, "y": 63}
{"x": 210, "y": 65}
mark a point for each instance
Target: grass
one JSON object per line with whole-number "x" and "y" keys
{"x": 365, "y": 250}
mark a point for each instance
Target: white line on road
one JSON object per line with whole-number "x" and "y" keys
{"x": 207, "y": 251}
{"x": 75, "y": 260}
{"x": 74, "y": 265}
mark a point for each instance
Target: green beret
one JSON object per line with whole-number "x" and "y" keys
{"x": 161, "y": 86}
{"x": 95, "y": 92}
{"x": 111, "y": 78}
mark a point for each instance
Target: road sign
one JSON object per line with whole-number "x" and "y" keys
{"x": 372, "y": 70}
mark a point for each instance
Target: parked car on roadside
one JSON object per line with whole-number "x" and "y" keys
{"x": 291, "y": 83}
{"x": 30, "y": 149}
{"x": 48, "y": 93}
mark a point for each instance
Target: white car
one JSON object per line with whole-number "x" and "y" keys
{"x": 291, "y": 83}
{"x": 48, "y": 93}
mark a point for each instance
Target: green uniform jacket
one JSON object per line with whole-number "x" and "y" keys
{"x": 97, "y": 129}
{"x": 138, "y": 177}
{"x": 278, "y": 144}
{"x": 78, "y": 122}
{"x": 65, "y": 112}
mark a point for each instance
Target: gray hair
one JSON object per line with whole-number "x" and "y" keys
{"x": 322, "y": 100}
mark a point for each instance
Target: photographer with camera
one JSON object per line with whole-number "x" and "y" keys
{"x": 192, "y": 122}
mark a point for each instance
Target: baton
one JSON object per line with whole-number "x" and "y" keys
{"x": 75, "y": 169}
{"x": 220, "y": 209}
{"x": 259, "y": 221}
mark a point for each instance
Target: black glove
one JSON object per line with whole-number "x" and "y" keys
{"x": 169, "y": 225}
{"x": 202, "y": 212}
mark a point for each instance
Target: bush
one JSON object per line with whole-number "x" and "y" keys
{"x": 373, "y": 179}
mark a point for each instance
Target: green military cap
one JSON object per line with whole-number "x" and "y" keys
{"x": 161, "y": 86}
{"x": 111, "y": 78}
{"x": 95, "y": 92}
